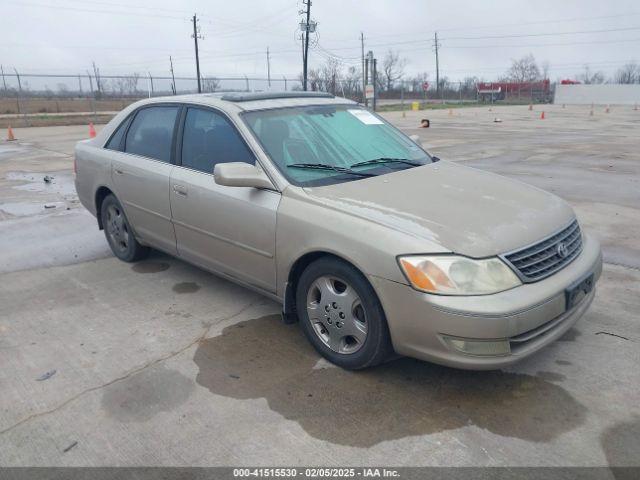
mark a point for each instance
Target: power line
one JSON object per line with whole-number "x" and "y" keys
{"x": 107, "y": 12}
{"x": 518, "y": 35}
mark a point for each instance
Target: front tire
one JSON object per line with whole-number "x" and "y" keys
{"x": 341, "y": 315}
{"x": 119, "y": 234}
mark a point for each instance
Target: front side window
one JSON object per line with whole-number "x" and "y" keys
{"x": 208, "y": 139}
{"x": 321, "y": 145}
{"x": 151, "y": 132}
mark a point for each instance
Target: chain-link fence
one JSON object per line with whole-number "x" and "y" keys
{"x": 27, "y": 96}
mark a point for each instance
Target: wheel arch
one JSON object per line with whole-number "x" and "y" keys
{"x": 289, "y": 311}
{"x": 101, "y": 193}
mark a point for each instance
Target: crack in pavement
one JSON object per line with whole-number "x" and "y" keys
{"x": 623, "y": 265}
{"x": 132, "y": 372}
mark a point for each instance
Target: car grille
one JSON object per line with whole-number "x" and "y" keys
{"x": 538, "y": 261}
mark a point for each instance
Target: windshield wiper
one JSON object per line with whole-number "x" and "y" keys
{"x": 377, "y": 161}
{"x": 326, "y": 166}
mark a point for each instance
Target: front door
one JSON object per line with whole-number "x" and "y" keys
{"x": 231, "y": 230}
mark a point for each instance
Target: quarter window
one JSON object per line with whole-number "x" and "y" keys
{"x": 208, "y": 139}
{"x": 151, "y": 132}
{"x": 115, "y": 142}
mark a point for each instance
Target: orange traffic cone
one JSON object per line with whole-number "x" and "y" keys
{"x": 450, "y": 111}
{"x": 10, "y": 136}
{"x": 530, "y": 107}
{"x": 542, "y": 115}
{"x": 92, "y": 130}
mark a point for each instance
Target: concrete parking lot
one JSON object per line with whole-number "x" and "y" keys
{"x": 160, "y": 363}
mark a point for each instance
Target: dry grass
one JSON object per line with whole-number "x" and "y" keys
{"x": 46, "y": 120}
{"x": 61, "y": 105}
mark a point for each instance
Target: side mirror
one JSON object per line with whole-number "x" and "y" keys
{"x": 239, "y": 174}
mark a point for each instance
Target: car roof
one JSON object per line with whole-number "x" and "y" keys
{"x": 255, "y": 100}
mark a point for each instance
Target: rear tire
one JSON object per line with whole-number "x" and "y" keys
{"x": 341, "y": 315}
{"x": 119, "y": 234}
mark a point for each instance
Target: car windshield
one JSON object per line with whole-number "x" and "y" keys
{"x": 323, "y": 145}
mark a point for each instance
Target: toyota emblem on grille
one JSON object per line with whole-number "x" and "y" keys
{"x": 562, "y": 250}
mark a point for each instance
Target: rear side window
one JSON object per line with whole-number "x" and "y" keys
{"x": 151, "y": 132}
{"x": 115, "y": 142}
{"x": 208, "y": 139}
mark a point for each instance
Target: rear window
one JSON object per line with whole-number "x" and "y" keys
{"x": 151, "y": 132}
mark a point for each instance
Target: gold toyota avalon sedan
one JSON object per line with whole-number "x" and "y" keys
{"x": 374, "y": 246}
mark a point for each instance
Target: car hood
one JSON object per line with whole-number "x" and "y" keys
{"x": 461, "y": 209}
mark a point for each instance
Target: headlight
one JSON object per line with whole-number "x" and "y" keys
{"x": 456, "y": 275}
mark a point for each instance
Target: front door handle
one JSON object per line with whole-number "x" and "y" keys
{"x": 118, "y": 171}
{"x": 180, "y": 190}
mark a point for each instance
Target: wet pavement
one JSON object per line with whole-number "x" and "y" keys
{"x": 161, "y": 363}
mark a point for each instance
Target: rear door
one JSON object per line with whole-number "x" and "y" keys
{"x": 231, "y": 230}
{"x": 141, "y": 174}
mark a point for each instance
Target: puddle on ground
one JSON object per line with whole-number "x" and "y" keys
{"x": 186, "y": 287}
{"x": 60, "y": 182}
{"x": 621, "y": 445}
{"x": 25, "y": 209}
{"x": 263, "y": 358}
{"x": 10, "y": 149}
{"x": 145, "y": 394}
{"x": 150, "y": 266}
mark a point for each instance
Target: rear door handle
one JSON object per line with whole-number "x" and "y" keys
{"x": 118, "y": 171}
{"x": 180, "y": 190}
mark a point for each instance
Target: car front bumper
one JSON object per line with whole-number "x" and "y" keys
{"x": 525, "y": 318}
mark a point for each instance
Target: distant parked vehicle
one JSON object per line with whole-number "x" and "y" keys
{"x": 537, "y": 91}
{"x": 367, "y": 240}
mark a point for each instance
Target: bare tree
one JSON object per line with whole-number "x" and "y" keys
{"x": 392, "y": 69}
{"x": 523, "y": 70}
{"x": 546, "y": 66}
{"x": 629, "y": 73}
{"x": 468, "y": 86}
{"x": 417, "y": 81}
{"x": 353, "y": 82}
{"x": 132, "y": 83}
{"x": 314, "y": 79}
{"x": 99, "y": 83}
{"x": 329, "y": 75}
{"x": 210, "y": 84}
{"x": 588, "y": 77}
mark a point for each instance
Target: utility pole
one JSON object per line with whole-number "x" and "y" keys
{"x": 196, "y": 35}
{"x": 374, "y": 75}
{"x": 173, "y": 78}
{"x": 307, "y": 25}
{"x": 436, "y": 45}
{"x": 364, "y": 79}
{"x": 269, "y": 69}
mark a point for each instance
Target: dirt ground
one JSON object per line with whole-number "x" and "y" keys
{"x": 160, "y": 363}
